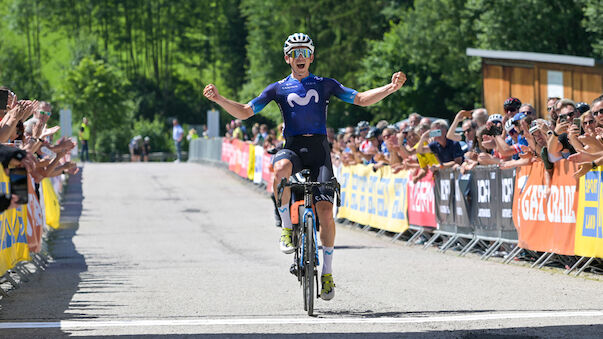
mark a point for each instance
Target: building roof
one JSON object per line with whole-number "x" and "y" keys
{"x": 530, "y": 56}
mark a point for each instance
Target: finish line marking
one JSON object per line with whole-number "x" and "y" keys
{"x": 92, "y": 324}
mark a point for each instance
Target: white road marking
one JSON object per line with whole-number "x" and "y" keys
{"x": 91, "y": 324}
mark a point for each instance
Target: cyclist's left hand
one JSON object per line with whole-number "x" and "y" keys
{"x": 398, "y": 80}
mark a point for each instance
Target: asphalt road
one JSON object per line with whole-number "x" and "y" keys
{"x": 162, "y": 249}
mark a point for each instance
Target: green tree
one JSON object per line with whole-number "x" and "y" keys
{"x": 98, "y": 91}
{"x": 428, "y": 44}
{"x": 593, "y": 16}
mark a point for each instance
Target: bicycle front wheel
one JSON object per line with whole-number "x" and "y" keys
{"x": 309, "y": 262}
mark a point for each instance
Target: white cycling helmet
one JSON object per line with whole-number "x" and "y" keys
{"x": 495, "y": 117}
{"x": 298, "y": 40}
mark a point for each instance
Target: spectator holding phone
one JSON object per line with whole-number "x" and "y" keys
{"x": 448, "y": 152}
{"x": 469, "y": 128}
{"x": 84, "y": 138}
{"x": 558, "y": 144}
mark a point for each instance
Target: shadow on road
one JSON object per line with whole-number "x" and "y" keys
{"x": 48, "y": 294}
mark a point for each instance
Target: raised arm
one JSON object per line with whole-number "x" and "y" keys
{"x": 452, "y": 135}
{"x": 236, "y": 109}
{"x": 375, "y": 95}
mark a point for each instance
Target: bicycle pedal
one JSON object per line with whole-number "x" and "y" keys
{"x": 293, "y": 269}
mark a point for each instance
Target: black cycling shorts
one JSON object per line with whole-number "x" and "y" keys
{"x": 311, "y": 152}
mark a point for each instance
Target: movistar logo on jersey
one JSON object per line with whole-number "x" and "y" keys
{"x": 295, "y": 98}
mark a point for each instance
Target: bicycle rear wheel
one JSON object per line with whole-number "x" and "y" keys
{"x": 309, "y": 262}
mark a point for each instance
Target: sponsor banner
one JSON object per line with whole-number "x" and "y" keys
{"x": 444, "y": 202}
{"x": 589, "y": 230}
{"x": 505, "y": 212}
{"x": 243, "y": 158}
{"x": 250, "y": 161}
{"x": 258, "y": 163}
{"x": 13, "y": 232}
{"x": 267, "y": 168}
{"x": 484, "y": 205}
{"x": 546, "y": 216}
{"x": 421, "y": 202}
{"x": 226, "y": 150}
{"x": 35, "y": 219}
{"x": 377, "y": 199}
{"x": 234, "y": 162}
{"x": 462, "y": 199}
{"x": 51, "y": 204}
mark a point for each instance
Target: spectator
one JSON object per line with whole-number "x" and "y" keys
{"x": 237, "y": 133}
{"x": 135, "y": 148}
{"x": 480, "y": 117}
{"x": 528, "y": 110}
{"x": 146, "y": 149}
{"x": 469, "y": 127}
{"x": 582, "y": 107}
{"x": 448, "y": 152}
{"x": 204, "y": 132}
{"x": 414, "y": 119}
{"x": 192, "y": 134}
{"x": 84, "y": 138}
{"x": 558, "y": 144}
{"x": 261, "y": 136}
{"x": 550, "y": 104}
{"x": 511, "y": 107}
{"x": 177, "y": 134}
{"x": 596, "y": 108}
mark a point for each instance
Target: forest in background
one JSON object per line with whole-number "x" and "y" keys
{"x": 131, "y": 66}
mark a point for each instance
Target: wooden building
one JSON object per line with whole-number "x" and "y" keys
{"x": 533, "y": 77}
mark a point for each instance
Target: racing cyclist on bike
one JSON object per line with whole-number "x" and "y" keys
{"x": 303, "y": 99}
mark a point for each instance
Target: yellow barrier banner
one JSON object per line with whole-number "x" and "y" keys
{"x": 589, "y": 226}
{"x": 377, "y": 199}
{"x": 51, "y": 204}
{"x": 13, "y": 230}
{"x": 251, "y": 166}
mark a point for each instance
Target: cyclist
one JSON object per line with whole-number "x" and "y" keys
{"x": 303, "y": 99}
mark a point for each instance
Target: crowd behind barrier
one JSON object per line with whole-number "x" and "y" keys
{"x": 487, "y": 203}
{"x": 23, "y": 229}
{"x": 31, "y": 160}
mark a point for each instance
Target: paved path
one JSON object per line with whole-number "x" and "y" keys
{"x": 178, "y": 249}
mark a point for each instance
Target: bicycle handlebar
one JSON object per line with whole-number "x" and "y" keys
{"x": 330, "y": 184}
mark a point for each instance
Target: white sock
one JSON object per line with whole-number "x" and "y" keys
{"x": 327, "y": 259}
{"x": 283, "y": 211}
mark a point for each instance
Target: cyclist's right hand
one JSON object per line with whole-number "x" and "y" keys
{"x": 211, "y": 92}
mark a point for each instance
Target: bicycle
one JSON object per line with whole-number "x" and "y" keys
{"x": 305, "y": 261}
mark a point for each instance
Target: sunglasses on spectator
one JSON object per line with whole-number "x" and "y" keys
{"x": 549, "y": 108}
{"x": 528, "y": 112}
{"x": 46, "y": 113}
{"x": 509, "y": 109}
{"x": 588, "y": 122}
{"x": 467, "y": 130}
{"x": 595, "y": 113}
{"x": 304, "y": 52}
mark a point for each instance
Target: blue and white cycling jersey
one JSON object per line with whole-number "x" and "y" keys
{"x": 303, "y": 104}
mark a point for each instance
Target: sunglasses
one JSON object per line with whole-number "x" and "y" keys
{"x": 304, "y": 52}
{"x": 548, "y": 109}
{"x": 47, "y": 113}
{"x": 595, "y": 113}
{"x": 508, "y": 109}
{"x": 588, "y": 122}
{"x": 467, "y": 130}
{"x": 526, "y": 112}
